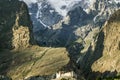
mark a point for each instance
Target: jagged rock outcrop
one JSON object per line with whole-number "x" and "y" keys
{"x": 15, "y": 25}
{"x": 41, "y": 14}
{"x": 102, "y": 9}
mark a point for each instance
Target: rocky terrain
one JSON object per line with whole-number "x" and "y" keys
{"x": 101, "y": 60}
{"x": 80, "y": 16}
{"x": 109, "y": 61}
{"x": 20, "y": 58}
{"x": 83, "y": 44}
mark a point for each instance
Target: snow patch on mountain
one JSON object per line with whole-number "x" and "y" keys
{"x": 62, "y": 6}
{"x": 117, "y": 1}
{"x": 49, "y": 12}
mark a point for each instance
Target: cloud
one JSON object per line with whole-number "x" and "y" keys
{"x": 28, "y": 2}
{"x": 58, "y": 4}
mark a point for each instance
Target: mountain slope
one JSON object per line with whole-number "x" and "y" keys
{"x": 90, "y": 51}
{"x": 111, "y": 46}
{"x": 33, "y": 61}
{"x": 20, "y": 58}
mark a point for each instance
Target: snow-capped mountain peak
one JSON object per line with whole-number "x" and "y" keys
{"x": 60, "y": 6}
{"x": 63, "y": 6}
{"x": 45, "y": 13}
{"x": 28, "y": 2}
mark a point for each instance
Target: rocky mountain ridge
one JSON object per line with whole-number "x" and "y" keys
{"x": 95, "y": 15}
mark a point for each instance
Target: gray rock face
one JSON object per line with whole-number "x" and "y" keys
{"x": 50, "y": 27}
{"x": 64, "y": 34}
{"x": 102, "y": 9}
{"x": 43, "y": 15}
{"x": 77, "y": 16}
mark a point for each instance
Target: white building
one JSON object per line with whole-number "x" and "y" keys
{"x": 62, "y": 74}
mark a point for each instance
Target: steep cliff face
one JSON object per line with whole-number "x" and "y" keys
{"x": 110, "y": 33}
{"x": 15, "y": 25}
{"x": 100, "y": 55}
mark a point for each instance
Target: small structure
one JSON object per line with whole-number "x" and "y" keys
{"x": 68, "y": 71}
{"x": 62, "y": 74}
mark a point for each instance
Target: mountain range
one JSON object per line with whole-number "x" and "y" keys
{"x": 49, "y": 17}
{"x": 59, "y": 40}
